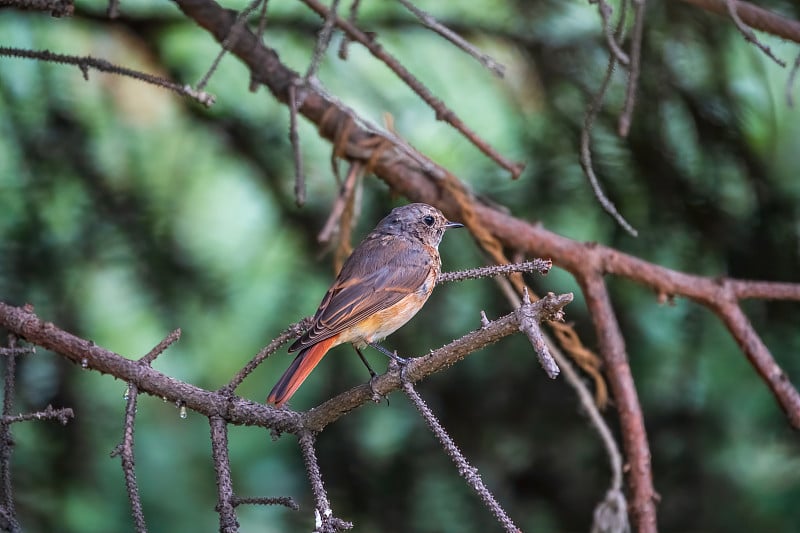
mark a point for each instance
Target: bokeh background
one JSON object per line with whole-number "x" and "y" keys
{"x": 126, "y": 211}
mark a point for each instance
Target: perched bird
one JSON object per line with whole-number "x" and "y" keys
{"x": 384, "y": 282}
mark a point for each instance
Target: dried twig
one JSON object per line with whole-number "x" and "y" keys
{"x": 634, "y": 68}
{"x": 86, "y": 62}
{"x": 222, "y": 469}
{"x": 228, "y": 42}
{"x": 431, "y": 23}
{"x": 465, "y": 470}
{"x": 159, "y": 348}
{"x": 613, "y": 45}
{"x": 325, "y": 522}
{"x": 323, "y": 40}
{"x": 756, "y": 17}
{"x": 542, "y": 266}
{"x": 342, "y": 199}
{"x": 748, "y": 34}
{"x": 125, "y": 450}
{"x": 351, "y": 18}
{"x": 586, "y": 151}
{"x": 442, "y": 111}
{"x": 292, "y": 332}
{"x": 286, "y": 501}
{"x": 529, "y": 325}
{"x": 294, "y": 138}
{"x": 618, "y": 372}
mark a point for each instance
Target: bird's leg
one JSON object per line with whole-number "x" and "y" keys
{"x": 391, "y": 355}
{"x": 376, "y": 396}
{"x": 366, "y": 364}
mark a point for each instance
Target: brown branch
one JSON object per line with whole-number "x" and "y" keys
{"x": 286, "y": 501}
{"x": 759, "y": 356}
{"x": 125, "y": 450}
{"x": 618, "y": 372}
{"x": 529, "y": 325}
{"x": 541, "y": 266}
{"x": 25, "y": 324}
{"x": 56, "y": 8}
{"x": 323, "y": 40}
{"x": 442, "y": 111}
{"x": 586, "y": 150}
{"x": 324, "y": 520}
{"x": 465, "y": 470}
{"x": 344, "y": 197}
{"x": 292, "y": 332}
{"x": 754, "y": 16}
{"x": 421, "y": 367}
{"x": 222, "y": 469}
{"x": 431, "y": 23}
{"x": 62, "y": 415}
{"x": 748, "y": 33}
{"x": 86, "y": 62}
{"x": 9, "y": 514}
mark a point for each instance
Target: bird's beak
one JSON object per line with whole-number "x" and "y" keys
{"x": 451, "y": 225}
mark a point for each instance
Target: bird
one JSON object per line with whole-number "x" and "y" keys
{"x": 381, "y": 286}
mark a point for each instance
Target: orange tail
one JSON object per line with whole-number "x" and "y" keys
{"x": 298, "y": 371}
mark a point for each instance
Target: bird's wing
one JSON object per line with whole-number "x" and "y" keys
{"x": 376, "y": 276}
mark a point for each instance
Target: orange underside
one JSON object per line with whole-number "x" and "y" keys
{"x": 298, "y": 371}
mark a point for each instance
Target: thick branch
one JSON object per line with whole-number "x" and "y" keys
{"x": 618, "y": 372}
{"x": 235, "y": 410}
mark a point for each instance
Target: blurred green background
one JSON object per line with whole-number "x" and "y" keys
{"x": 126, "y": 211}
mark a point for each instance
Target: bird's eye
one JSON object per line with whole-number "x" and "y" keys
{"x": 428, "y": 220}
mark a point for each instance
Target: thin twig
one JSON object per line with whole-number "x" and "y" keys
{"x": 351, "y": 18}
{"x": 86, "y": 62}
{"x": 529, "y": 325}
{"x": 324, "y": 520}
{"x": 294, "y": 138}
{"x": 430, "y": 22}
{"x": 586, "y": 151}
{"x": 126, "y": 452}
{"x": 613, "y": 45}
{"x": 159, "y": 348}
{"x": 341, "y": 201}
{"x": 442, "y": 111}
{"x": 748, "y": 33}
{"x": 635, "y": 68}
{"x": 542, "y": 266}
{"x": 465, "y": 470}
{"x": 62, "y": 415}
{"x": 323, "y": 41}
{"x": 292, "y": 332}
{"x": 222, "y": 469}
{"x": 228, "y": 42}
{"x": 618, "y": 370}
